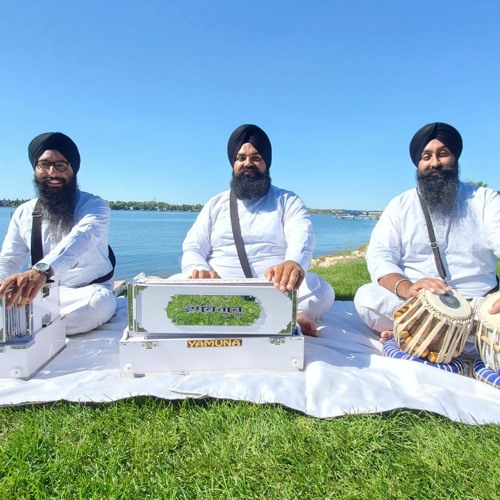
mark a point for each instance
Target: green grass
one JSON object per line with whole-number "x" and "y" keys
{"x": 346, "y": 278}
{"x": 149, "y": 448}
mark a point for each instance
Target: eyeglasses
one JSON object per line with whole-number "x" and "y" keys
{"x": 60, "y": 166}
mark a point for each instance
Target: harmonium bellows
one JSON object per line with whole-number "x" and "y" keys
{"x": 31, "y": 335}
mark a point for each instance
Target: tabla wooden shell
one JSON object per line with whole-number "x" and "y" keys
{"x": 433, "y": 326}
{"x": 488, "y": 333}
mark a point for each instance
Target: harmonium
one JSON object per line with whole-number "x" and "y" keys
{"x": 31, "y": 335}
{"x": 209, "y": 324}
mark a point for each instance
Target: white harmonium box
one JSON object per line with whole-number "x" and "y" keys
{"x": 30, "y": 336}
{"x": 209, "y": 324}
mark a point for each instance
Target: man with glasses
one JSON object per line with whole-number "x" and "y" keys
{"x": 69, "y": 245}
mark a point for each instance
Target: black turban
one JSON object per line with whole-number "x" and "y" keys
{"x": 445, "y": 133}
{"x": 256, "y": 137}
{"x": 58, "y": 142}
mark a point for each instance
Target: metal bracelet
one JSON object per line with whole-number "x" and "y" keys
{"x": 397, "y": 285}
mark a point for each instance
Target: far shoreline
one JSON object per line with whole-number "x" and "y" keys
{"x": 328, "y": 260}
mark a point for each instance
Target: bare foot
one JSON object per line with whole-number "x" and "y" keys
{"x": 307, "y": 325}
{"x": 387, "y": 335}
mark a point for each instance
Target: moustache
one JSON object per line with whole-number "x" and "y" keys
{"x": 250, "y": 170}
{"x": 441, "y": 170}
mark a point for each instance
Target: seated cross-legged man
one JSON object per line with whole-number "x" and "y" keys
{"x": 275, "y": 226}
{"x": 71, "y": 246}
{"x": 465, "y": 220}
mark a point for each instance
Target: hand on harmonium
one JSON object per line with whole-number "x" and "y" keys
{"x": 21, "y": 288}
{"x": 202, "y": 274}
{"x": 286, "y": 276}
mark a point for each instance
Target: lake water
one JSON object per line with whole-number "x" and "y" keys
{"x": 150, "y": 242}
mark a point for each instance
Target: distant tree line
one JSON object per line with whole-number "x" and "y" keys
{"x": 11, "y": 203}
{"x": 157, "y": 206}
{"x": 160, "y": 206}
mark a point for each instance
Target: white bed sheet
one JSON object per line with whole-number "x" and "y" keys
{"x": 344, "y": 373}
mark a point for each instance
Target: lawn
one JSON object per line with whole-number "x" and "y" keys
{"x": 149, "y": 448}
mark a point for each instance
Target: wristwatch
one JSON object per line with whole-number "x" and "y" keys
{"x": 43, "y": 268}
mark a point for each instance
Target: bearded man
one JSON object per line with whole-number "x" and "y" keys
{"x": 275, "y": 226}
{"x": 466, "y": 224}
{"x": 71, "y": 246}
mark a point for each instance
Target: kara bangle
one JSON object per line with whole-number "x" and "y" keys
{"x": 396, "y": 286}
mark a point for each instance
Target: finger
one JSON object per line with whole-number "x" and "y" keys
{"x": 6, "y": 286}
{"x": 213, "y": 274}
{"x": 269, "y": 274}
{"x": 301, "y": 277}
{"x": 295, "y": 279}
{"x": 495, "y": 308}
{"x": 287, "y": 281}
{"x": 203, "y": 274}
{"x": 13, "y": 297}
{"x": 31, "y": 291}
{"x": 278, "y": 273}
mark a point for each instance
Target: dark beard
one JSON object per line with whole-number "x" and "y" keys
{"x": 250, "y": 187}
{"x": 58, "y": 205}
{"x": 440, "y": 193}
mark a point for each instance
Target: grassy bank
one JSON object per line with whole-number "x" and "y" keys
{"x": 148, "y": 448}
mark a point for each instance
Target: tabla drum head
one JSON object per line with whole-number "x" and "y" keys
{"x": 482, "y": 311}
{"x": 453, "y": 304}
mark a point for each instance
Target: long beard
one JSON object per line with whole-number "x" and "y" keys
{"x": 439, "y": 192}
{"x": 58, "y": 205}
{"x": 250, "y": 187}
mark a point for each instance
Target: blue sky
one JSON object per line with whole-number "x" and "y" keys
{"x": 151, "y": 90}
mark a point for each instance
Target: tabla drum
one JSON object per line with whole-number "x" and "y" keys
{"x": 487, "y": 334}
{"x": 432, "y": 326}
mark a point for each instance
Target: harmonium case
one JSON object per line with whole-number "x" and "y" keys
{"x": 31, "y": 335}
{"x": 209, "y": 324}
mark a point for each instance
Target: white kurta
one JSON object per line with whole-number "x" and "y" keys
{"x": 275, "y": 228}
{"x": 77, "y": 259}
{"x": 469, "y": 244}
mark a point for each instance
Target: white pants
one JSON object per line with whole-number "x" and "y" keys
{"x": 376, "y": 306}
{"x": 87, "y": 307}
{"x": 315, "y": 295}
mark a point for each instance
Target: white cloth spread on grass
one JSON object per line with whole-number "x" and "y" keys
{"x": 344, "y": 373}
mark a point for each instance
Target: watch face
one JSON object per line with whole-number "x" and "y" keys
{"x": 43, "y": 268}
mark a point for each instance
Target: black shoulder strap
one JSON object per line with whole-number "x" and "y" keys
{"x": 238, "y": 240}
{"x": 108, "y": 276}
{"x": 36, "y": 234}
{"x": 37, "y": 247}
{"x": 432, "y": 237}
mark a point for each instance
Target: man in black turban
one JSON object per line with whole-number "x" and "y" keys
{"x": 71, "y": 247}
{"x": 443, "y": 132}
{"x": 276, "y": 231}
{"x": 463, "y": 221}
